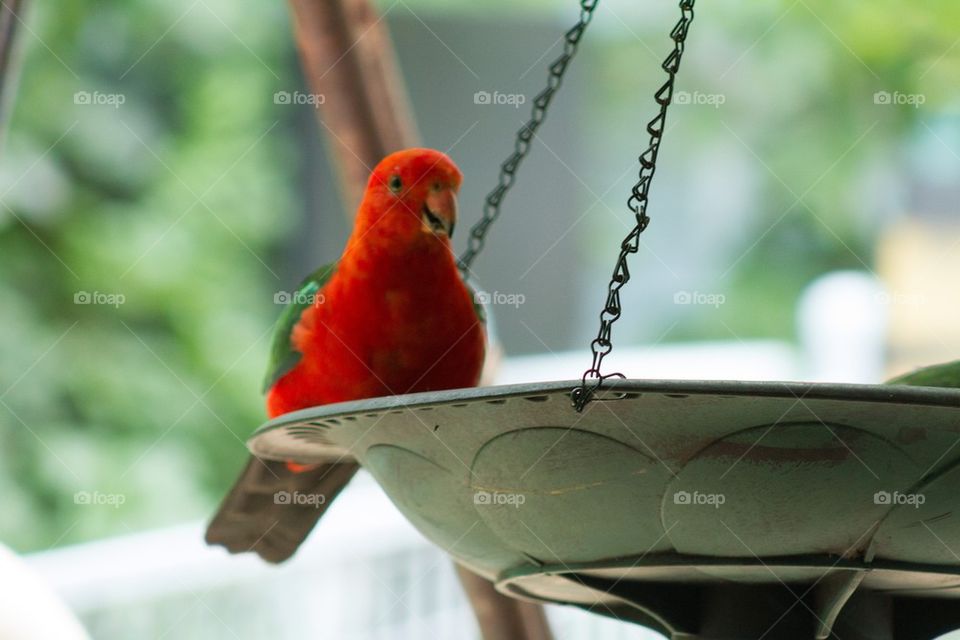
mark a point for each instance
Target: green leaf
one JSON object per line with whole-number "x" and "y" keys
{"x": 938, "y": 375}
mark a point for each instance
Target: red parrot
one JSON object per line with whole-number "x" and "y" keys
{"x": 391, "y": 316}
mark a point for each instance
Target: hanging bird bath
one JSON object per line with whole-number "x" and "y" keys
{"x": 703, "y": 510}
{"x": 698, "y": 509}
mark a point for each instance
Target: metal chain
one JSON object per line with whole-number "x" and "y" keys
{"x": 602, "y": 344}
{"x": 521, "y": 146}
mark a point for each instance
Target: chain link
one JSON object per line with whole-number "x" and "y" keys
{"x": 521, "y": 146}
{"x": 602, "y": 344}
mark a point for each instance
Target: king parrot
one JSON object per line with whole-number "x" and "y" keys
{"x": 391, "y": 316}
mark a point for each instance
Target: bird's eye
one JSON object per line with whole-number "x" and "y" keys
{"x": 437, "y": 186}
{"x": 395, "y": 184}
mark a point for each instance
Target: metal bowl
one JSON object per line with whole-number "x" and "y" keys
{"x": 699, "y": 509}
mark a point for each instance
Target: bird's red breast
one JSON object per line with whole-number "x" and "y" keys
{"x": 396, "y": 316}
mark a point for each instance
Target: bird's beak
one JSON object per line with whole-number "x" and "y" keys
{"x": 440, "y": 211}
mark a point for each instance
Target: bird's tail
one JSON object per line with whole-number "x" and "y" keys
{"x": 271, "y": 509}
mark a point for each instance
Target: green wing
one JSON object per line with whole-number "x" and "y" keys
{"x": 283, "y": 356}
{"x": 939, "y": 375}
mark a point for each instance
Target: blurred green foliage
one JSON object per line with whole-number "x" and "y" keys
{"x": 174, "y": 200}
{"x": 838, "y": 164}
{"x": 826, "y": 168}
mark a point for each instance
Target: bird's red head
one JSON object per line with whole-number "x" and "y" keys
{"x": 411, "y": 196}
